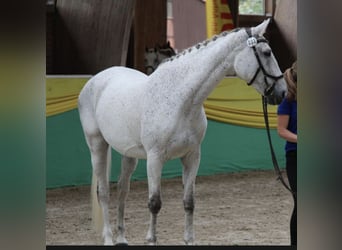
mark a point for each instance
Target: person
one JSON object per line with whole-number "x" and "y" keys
{"x": 287, "y": 129}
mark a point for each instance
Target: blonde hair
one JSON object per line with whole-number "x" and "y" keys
{"x": 290, "y": 76}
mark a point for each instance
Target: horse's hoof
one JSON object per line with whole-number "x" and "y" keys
{"x": 121, "y": 244}
{"x": 108, "y": 243}
{"x": 152, "y": 243}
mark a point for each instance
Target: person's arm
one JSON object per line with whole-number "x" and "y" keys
{"x": 283, "y": 121}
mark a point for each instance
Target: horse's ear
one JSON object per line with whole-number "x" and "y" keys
{"x": 261, "y": 28}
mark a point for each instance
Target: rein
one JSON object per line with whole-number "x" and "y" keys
{"x": 252, "y": 41}
{"x": 274, "y": 159}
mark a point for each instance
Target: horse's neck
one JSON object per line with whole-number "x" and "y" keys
{"x": 194, "y": 74}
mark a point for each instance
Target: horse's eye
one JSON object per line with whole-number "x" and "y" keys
{"x": 267, "y": 53}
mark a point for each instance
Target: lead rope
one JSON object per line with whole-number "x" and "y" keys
{"x": 274, "y": 159}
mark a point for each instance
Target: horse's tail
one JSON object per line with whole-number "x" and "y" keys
{"x": 97, "y": 212}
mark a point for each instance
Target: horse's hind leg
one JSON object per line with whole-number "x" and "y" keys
{"x": 101, "y": 161}
{"x": 100, "y": 157}
{"x": 128, "y": 166}
{"x": 190, "y": 167}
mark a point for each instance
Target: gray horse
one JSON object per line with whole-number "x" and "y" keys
{"x": 161, "y": 117}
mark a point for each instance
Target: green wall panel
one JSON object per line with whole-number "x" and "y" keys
{"x": 226, "y": 148}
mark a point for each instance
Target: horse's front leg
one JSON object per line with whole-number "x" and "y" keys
{"x": 128, "y": 166}
{"x": 154, "y": 169}
{"x": 190, "y": 167}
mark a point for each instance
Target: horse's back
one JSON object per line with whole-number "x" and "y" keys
{"x": 117, "y": 75}
{"x": 110, "y": 103}
{"x": 116, "y": 79}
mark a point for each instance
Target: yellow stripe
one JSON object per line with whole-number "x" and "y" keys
{"x": 232, "y": 101}
{"x": 62, "y": 94}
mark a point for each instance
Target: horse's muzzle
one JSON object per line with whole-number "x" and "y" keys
{"x": 277, "y": 92}
{"x": 275, "y": 99}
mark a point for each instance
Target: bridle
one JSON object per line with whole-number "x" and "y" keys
{"x": 252, "y": 41}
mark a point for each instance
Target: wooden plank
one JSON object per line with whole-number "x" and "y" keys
{"x": 149, "y": 28}
{"x": 284, "y": 33}
{"x": 189, "y": 23}
{"x": 92, "y": 35}
{"x": 287, "y": 26}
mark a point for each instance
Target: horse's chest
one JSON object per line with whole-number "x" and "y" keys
{"x": 177, "y": 139}
{"x": 181, "y": 143}
{"x": 172, "y": 126}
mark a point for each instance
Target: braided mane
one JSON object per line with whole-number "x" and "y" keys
{"x": 200, "y": 45}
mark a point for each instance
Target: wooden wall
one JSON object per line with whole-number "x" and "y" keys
{"x": 284, "y": 33}
{"x": 149, "y": 29}
{"x": 189, "y": 19}
{"x": 85, "y": 37}
{"x": 50, "y": 37}
{"x": 91, "y": 35}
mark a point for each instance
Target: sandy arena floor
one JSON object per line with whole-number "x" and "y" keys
{"x": 249, "y": 208}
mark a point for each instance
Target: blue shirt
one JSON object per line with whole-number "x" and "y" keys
{"x": 290, "y": 109}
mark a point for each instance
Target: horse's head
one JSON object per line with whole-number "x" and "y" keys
{"x": 154, "y": 56}
{"x": 256, "y": 64}
{"x": 151, "y": 60}
{"x": 165, "y": 51}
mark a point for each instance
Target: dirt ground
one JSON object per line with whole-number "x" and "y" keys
{"x": 248, "y": 208}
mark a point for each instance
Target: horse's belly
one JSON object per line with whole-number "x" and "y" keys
{"x": 121, "y": 129}
{"x": 134, "y": 151}
{"x": 118, "y": 112}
